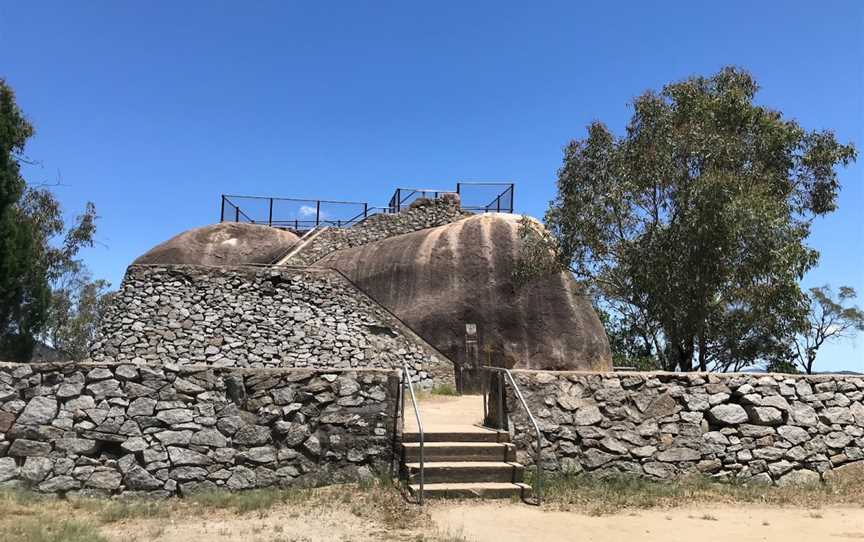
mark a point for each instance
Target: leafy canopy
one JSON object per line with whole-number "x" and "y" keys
{"x": 692, "y": 226}
{"x": 36, "y": 248}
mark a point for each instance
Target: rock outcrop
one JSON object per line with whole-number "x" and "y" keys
{"x": 439, "y": 279}
{"x": 228, "y": 243}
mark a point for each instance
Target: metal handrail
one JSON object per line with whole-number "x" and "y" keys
{"x": 538, "y": 486}
{"x": 419, "y": 422}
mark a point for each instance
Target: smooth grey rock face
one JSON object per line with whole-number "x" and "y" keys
{"x": 8, "y": 469}
{"x": 107, "y": 479}
{"x": 764, "y": 415}
{"x": 728, "y": 414}
{"x": 29, "y": 448}
{"x": 589, "y": 415}
{"x": 78, "y": 446}
{"x": 799, "y": 477}
{"x": 138, "y": 478}
{"x": 795, "y": 435}
{"x": 59, "y": 484}
{"x": 39, "y": 411}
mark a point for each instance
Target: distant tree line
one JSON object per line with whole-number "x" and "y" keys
{"x": 689, "y": 230}
{"x": 47, "y": 296}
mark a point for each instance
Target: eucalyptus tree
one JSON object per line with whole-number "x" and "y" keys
{"x": 36, "y": 246}
{"x": 691, "y": 226}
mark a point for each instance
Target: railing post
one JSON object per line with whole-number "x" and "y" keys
{"x": 270, "y": 217}
{"x": 222, "y": 210}
{"x": 317, "y": 213}
{"x": 236, "y": 214}
{"x": 365, "y": 210}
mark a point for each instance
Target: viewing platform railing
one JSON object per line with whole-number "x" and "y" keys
{"x": 304, "y": 214}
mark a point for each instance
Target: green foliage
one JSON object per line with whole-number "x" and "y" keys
{"x": 538, "y": 253}
{"x": 691, "y": 226}
{"x": 829, "y": 318}
{"x": 782, "y": 366}
{"x": 36, "y": 248}
{"x": 77, "y": 306}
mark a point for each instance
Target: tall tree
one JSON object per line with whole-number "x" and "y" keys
{"x": 829, "y": 318}
{"x": 77, "y": 305}
{"x": 36, "y": 248}
{"x": 693, "y": 224}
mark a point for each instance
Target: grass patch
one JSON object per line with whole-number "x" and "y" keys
{"x": 444, "y": 389}
{"x": 609, "y": 495}
{"x": 44, "y": 528}
{"x": 256, "y": 500}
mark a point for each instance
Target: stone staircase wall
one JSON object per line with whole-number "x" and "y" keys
{"x": 112, "y": 428}
{"x": 423, "y": 215}
{"x": 751, "y": 427}
{"x": 258, "y": 317}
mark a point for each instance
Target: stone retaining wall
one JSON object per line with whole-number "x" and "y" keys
{"x": 424, "y": 214}
{"x": 107, "y": 428}
{"x": 258, "y": 317}
{"x": 758, "y": 428}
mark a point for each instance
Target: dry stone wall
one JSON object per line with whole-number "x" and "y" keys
{"x": 258, "y": 317}
{"x": 423, "y": 214}
{"x": 753, "y": 428}
{"x": 108, "y": 428}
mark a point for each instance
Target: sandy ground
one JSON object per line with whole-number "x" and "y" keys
{"x": 441, "y": 411}
{"x": 505, "y": 522}
{"x": 282, "y": 524}
{"x": 500, "y": 522}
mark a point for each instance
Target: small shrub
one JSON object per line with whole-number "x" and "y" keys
{"x": 444, "y": 389}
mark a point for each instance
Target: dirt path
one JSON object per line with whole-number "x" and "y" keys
{"x": 441, "y": 411}
{"x": 281, "y": 524}
{"x": 504, "y": 522}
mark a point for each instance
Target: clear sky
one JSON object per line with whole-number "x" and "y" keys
{"x": 153, "y": 109}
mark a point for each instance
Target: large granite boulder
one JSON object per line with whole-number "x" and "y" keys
{"x": 439, "y": 279}
{"x": 228, "y": 243}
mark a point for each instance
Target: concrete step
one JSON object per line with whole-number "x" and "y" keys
{"x": 457, "y": 433}
{"x": 459, "y": 451}
{"x": 438, "y": 472}
{"x": 475, "y": 490}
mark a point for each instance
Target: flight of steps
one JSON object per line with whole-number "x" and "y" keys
{"x": 463, "y": 461}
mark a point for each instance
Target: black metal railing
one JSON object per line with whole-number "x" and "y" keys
{"x": 482, "y": 197}
{"x": 304, "y": 214}
{"x": 485, "y": 197}
{"x": 292, "y": 213}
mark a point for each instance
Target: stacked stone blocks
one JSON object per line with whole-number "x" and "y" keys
{"x": 258, "y": 317}
{"x": 420, "y": 216}
{"x": 101, "y": 429}
{"x": 747, "y": 427}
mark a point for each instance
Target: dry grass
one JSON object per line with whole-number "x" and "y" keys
{"x": 29, "y": 517}
{"x": 610, "y": 495}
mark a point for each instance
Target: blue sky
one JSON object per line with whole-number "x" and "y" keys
{"x": 152, "y": 110}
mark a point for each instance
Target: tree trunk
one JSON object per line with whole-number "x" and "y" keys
{"x": 682, "y": 353}
{"x": 703, "y": 362}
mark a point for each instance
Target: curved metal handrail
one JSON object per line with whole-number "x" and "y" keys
{"x": 419, "y": 422}
{"x": 538, "y": 485}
